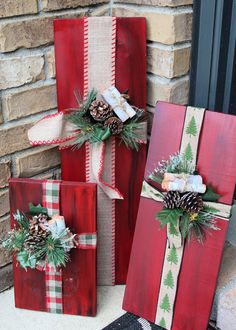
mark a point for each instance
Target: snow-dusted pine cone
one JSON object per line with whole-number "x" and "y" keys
{"x": 100, "y": 110}
{"x": 171, "y": 200}
{"x": 191, "y": 202}
{"x": 115, "y": 125}
{"x": 38, "y": 232}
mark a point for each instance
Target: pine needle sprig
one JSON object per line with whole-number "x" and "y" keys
{"x": 83, "y": 106}
{"x": 175, "y": 164}
{"x": 21, "y": 219}
{"x": 91, "y": 97}
{"x": 130, "y": 134}
{"x": 14, "y": 241}
{"x": 199, "y": 227}
{"x": 88, "y": 130}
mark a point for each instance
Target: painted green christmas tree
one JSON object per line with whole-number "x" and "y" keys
{"x": 162, "y": 323}
{"x": 172, "y": 230}
{"x": 188, "y": 153}
{"x": 172, "y": 257}
{"x": 192, "y": 127}
{"x": 165, "y": 305}
{"x": 169, "y": 280}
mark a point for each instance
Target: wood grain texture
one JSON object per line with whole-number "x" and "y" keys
{"x": 78, "y": 206}
{"x": 200, "y": 264}
{"x": 130, "y": 74}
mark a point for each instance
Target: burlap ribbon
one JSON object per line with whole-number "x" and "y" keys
{"x": 54, "y": 129}
{"x": 175, "y": 244}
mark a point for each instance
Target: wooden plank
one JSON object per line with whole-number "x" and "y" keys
{"x": 131, "y": 75}
{"x": 129, "y": 167}
{"x": 200, "y": 264}
{"x": 29, "y": 287}
{"x": 78, "y": 205}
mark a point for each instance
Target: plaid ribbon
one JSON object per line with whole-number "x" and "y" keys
{"x": 87, "y": 241}
{"x": 51, "y": 198}
{"x": 53, "y": 276}
{"x": 53, "y": 279}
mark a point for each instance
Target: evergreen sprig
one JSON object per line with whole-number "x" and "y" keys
{"x": 53, "y": 249}
{"x": 175, "y": 164}
{"x": 91, "y": 131}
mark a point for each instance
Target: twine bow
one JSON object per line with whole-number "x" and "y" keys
{"x": 120, "y": 102}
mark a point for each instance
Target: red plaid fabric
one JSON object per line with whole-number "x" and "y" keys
{"x": 53, "y": 279}
{"x": 51, "y": 198}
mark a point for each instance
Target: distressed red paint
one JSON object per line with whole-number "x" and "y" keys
{"x": 78, "y": 206}
{"x": 200, "y": 264}
{"x": 130, "y": 73}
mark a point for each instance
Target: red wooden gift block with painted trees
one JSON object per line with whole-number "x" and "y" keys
{"x": 198, "y": 272}
{"x": 78, "y": 206}
{"x": 74, "y": 50}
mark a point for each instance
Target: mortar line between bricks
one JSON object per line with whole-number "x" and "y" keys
{"x": 27, "y": 119}
{"x": 28, "y": 87}
{"x": 34, "y": 51}
{"x": 176, "y": 46}
{"x": 49, "y": 14}
{"x": 156, "y": 9}
{"x": 164, "y": 80}
{"x": 111, "y": 4}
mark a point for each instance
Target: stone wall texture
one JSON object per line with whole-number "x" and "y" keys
{"x": 28, "y": 85}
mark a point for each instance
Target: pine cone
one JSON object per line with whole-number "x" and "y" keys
{"x": 172, "y": 199}
{"x": 38, "y": 232}
{"x": 100, "y": 110}
{"x": 191, "y": 202}
{"x": 115, "y": 125}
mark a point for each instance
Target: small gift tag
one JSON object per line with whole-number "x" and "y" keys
{"x": 122, "y": 109}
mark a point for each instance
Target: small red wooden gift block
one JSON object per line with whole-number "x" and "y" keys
{"x": 77, "y": 66}
{"x": 78, "y": 206}
{"x": 200, "y": 262}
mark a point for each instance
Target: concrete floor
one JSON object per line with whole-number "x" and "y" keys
{"x": 109, "y": 308}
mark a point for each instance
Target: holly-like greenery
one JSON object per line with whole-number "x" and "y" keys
{"x": 171, "y": 216}
{"x": 90, "y": 130}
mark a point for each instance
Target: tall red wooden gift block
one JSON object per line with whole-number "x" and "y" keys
{"x": 200, "y": 263}
{"x": 78, "y": 206}
{"x": 100, "y": 52}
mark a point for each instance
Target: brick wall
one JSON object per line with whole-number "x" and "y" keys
{"x": 27, "y": 77}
